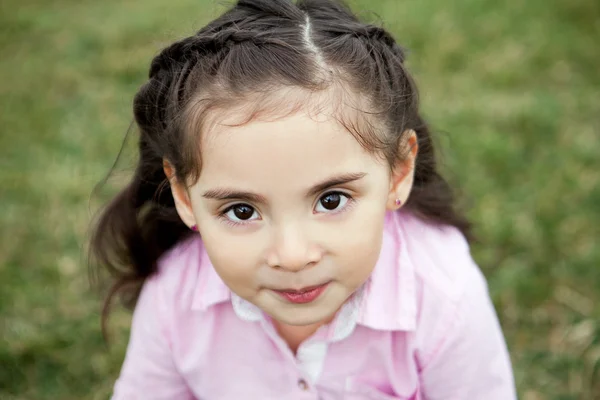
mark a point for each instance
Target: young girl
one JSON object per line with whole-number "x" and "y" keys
{"x": 288, "y": 227}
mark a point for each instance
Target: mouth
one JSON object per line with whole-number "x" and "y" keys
{"x": 302, "y": 296}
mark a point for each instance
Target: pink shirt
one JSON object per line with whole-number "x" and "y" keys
{"x": 422, "y": 327}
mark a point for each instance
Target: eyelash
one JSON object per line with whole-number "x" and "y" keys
{"x": 349, "y": 204}
{"x": 229, "y": 222}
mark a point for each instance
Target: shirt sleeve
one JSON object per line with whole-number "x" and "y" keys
{"x": 148, "y": 371}
{"x": 470, "y": 359}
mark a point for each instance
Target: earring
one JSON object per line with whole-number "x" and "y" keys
{"x": 194, "y": 228}
{"x": 398, "y": 202}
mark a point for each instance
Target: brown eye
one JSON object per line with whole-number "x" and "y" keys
{"x": 331, "y": 202}
{"x": 243, "y": 212}
{"x": 240, "y": 212}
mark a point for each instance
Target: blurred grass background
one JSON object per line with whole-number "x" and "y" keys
{"x": 513, "y": 87}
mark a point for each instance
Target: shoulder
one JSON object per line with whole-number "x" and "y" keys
{"x": 449, "y": 284}
{"x": 455, "y": 322}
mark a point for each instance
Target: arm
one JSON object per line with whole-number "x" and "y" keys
{"x": 469, "y": 359}
{"x": 149, "y": 372}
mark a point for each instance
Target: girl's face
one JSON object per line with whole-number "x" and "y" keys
{"x": 291, "y": 212}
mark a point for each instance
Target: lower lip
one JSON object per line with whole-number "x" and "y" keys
{"x": 303, "y": 297}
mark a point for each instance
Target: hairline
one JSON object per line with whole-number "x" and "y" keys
{"x": 205, "y": 113}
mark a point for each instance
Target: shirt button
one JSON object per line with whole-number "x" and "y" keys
{"x": 302, "y": 384}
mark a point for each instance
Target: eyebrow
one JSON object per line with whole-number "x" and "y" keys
{"x": 335, "y": 181}
{"x": 232, "y": 194}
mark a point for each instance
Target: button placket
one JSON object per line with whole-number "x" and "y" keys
{"x": 301, "y": 382}
{"x": 303, "y": 385}
{"x": 311, "y": 358}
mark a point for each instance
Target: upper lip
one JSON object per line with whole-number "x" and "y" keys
{"x": 304, "y": 289}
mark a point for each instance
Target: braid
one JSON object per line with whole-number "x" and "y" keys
{"x": 378, "y": 34}
{"x": 172, "y": 55}
{"x": 182, "y": 56}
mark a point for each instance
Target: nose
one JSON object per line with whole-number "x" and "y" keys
{"x": 292, "y": 249}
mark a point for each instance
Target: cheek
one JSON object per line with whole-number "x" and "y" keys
{"x": 359, "y": 242}
{"x": 362, "y": 251}
{"x": 365, "y": 224}
{"x": 235, "y": 259}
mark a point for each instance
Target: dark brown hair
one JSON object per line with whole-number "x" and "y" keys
{"x": 254, "y": 49}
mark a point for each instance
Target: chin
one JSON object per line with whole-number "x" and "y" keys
{"x": 302, "y": 316}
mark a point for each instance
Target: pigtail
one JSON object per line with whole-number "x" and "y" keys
{"x": 432, "y": 199}
{"x": 134, "y": 230}
{"x": 141, "y": 222}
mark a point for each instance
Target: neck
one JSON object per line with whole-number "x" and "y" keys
{"x": 295, "y": 335}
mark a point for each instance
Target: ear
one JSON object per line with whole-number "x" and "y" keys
{"x": 180, "y": 195}
{"x": 401, "y": 179}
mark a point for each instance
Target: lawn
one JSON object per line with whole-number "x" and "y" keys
{"x": 512, "y": 87}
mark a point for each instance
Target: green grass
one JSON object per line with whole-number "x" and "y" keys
{"x": 513, "y": 86}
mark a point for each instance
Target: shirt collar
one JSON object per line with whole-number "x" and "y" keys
{"x": 386, "y": 302}
{"x": 211, "y": 289}
{"x": 390, "y": 301}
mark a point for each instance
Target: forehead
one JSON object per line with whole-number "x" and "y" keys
{"x": 295, "y": 150}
